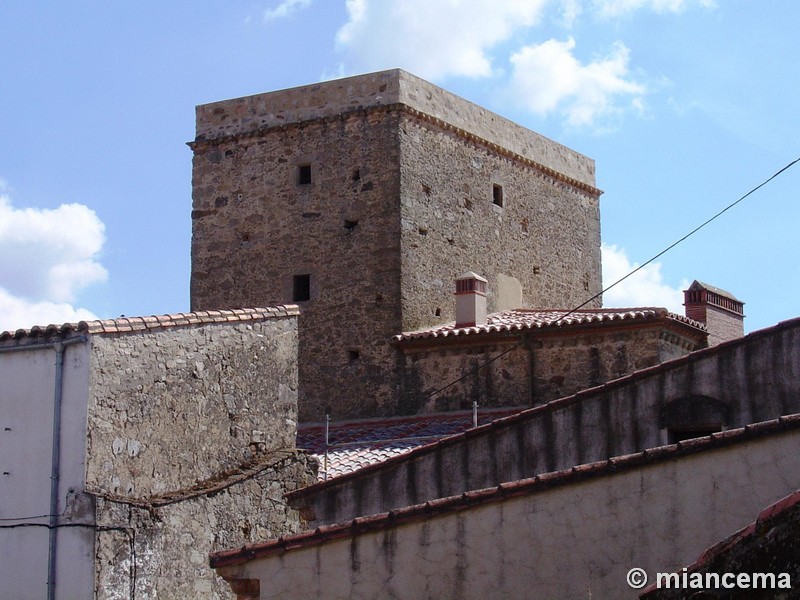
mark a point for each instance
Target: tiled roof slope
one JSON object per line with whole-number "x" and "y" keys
{"x": 525, "y": 319}
{"x": 130, "y": 324}
{"x": 504, "y": 491}
{"x": 357, "y": 444}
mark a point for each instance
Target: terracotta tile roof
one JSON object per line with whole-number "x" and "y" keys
{"x": 504, "y": 491}
{"x": 357, "y": 444}
{"x": 129, "y": 324}
{"x": 525, "y": 319}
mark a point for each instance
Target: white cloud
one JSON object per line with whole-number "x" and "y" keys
{"x": 570, "y": 11}
{"x": 285, "y": 9}
{"x": 548, "y": 77}
{"x": 432, "y": 39}
{"x": 646, "y": 288}
{"x": 17, "y": 313}
{"x": 46, "y": 257}
{"x": 615, "y": 8}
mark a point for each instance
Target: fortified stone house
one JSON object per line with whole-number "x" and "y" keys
{"x": 361, "y": 200}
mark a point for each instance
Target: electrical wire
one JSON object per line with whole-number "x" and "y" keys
{"x": 685, "y": 237}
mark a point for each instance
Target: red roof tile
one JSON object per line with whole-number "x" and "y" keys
{"x": 524, "y": 319}
{"x": 128, "y": 324}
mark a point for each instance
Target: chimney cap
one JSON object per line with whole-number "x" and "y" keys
{"x": 471, "y": 275}
{"x": 699, "y": 285}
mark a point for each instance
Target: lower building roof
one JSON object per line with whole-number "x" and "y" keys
{"x": 529, "y": 319}
{"x": 353, "y": 445}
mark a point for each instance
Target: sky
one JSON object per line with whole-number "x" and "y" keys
{"x": 685, "y": 106}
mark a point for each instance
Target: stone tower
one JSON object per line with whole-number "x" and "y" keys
{"x": 362, "y": 200}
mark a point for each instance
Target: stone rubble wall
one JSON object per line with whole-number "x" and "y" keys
{"x": 176, "y": 418}
{"x": 162, "y": 552}
{"x": 255, "y": 227}
{"x": 518, "y": 372}
{"x": 546, "y": 237}
{"x": 501, "y": 382}
{"x": 170, "y": 408}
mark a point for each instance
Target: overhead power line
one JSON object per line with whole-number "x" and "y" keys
{"x": 685, "y": 237}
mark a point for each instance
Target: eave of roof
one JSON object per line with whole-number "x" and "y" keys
{"x": 503, "y": 491}
{"x": 551, "y": 320}
{"x": 151, "y": 323}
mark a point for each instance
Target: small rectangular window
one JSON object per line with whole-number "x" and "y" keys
{"x": 301, "y": 289}
{"x": 497, "y": 195}
{"x": 304, "y": 174}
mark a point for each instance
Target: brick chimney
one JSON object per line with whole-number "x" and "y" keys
{"x": 720, "y": 311}
{"x": 470, "y": 300}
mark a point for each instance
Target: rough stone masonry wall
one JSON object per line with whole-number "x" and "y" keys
{"x": 328, "y": 99}
{"x": 177, "y": 411}
{"x": 567, "y": 364}
{"x": 514, "y": 371}
{"x": 495, "y": 373}
{"x": 255, "y": 227}
{"x": 545, "y": 240}
{"x": 169, "y": 545}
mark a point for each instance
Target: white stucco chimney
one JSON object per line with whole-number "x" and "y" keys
{"x": 470, "y": 300}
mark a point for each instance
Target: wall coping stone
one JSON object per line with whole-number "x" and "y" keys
{"x": 147, "y": 324}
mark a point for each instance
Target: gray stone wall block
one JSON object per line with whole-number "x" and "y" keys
{"x": 173, "y": 407}
{"x": 546, "y": 236}
{"x": 162, "y": 552}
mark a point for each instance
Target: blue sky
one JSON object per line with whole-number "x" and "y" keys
{"x": 685, "y": 105}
